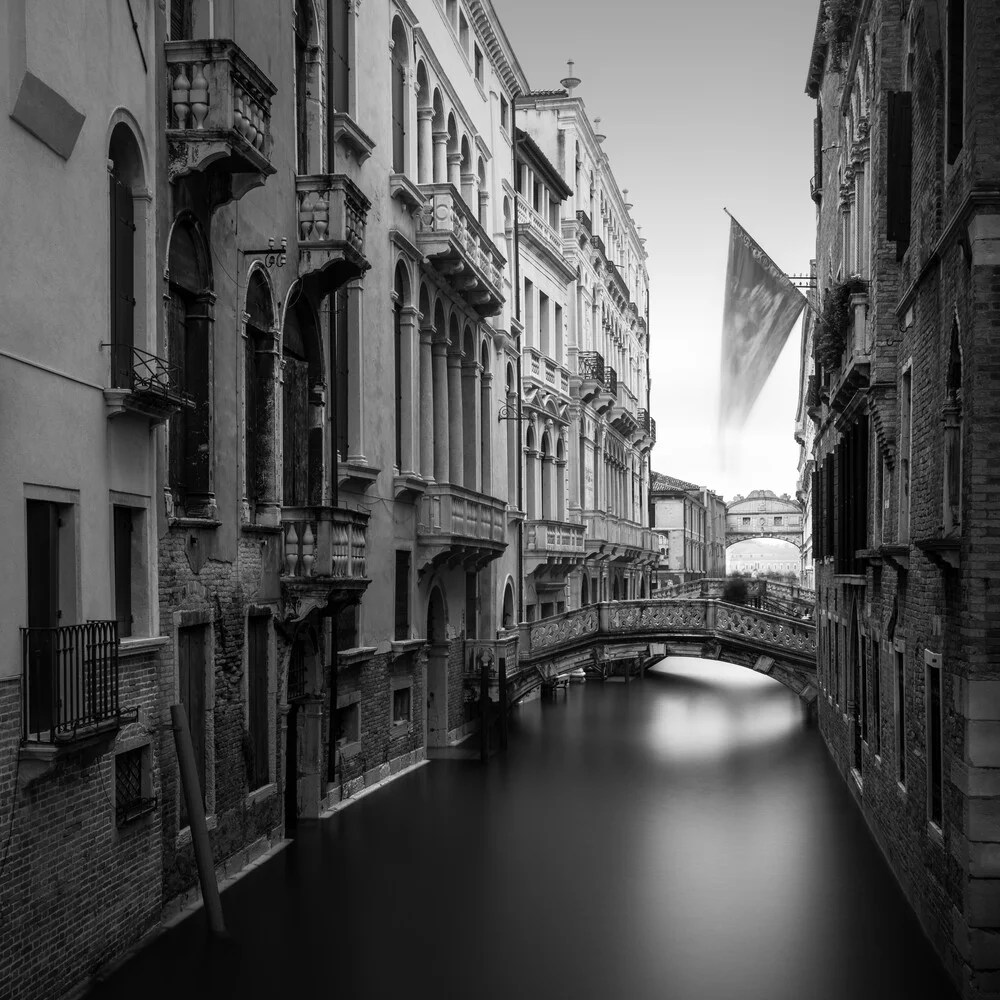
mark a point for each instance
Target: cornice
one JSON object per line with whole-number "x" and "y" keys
{"x": 498, "y": 46}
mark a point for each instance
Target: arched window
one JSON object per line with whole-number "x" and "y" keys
{"x": 471, "y": 415}
{"x": 560, "y": 481}
{"x": 508, "y": 606}
{"x": 189, "y": 344}
{"x": 530, "y": 457}
{"x": 584, "y": 592}
{"x": 482, "y": 208}
{"x": 548, "y": 497}
{"x": 401, "y": 298}
{"x": 399, "y": 103}
{"x": 301, "y": 435}
{"x": 259, "y": 395}
{"x": 486, "y": 423}
{"x": 303, "y": 31}
{"x": 127, "y": 263}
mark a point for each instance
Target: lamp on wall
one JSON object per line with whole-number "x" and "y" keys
{"x": 273, "y": 256}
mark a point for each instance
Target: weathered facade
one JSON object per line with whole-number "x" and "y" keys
{"x": 84, "y": 396}
{"x": 907, "y": 421}
{"x": 690, "y": 523}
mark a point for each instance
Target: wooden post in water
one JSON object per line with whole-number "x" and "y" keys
{"x": 196, "y": 817}
{"x": 502, "y": 670}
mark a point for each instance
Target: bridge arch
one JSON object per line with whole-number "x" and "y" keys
{"x": 762, "y": 555}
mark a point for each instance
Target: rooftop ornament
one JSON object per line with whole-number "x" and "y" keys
{"x": 598, "y": 134}
{"x": 570, "y": 82}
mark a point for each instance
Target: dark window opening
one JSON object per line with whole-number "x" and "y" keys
{"x": 340, "y": 61}
{"x": 899, "y": 170}
{"x": 348, "y": 724}
{"x": 877, "y": 697}
{"x": 124, "y": 527}
{"x": 955, "y": 80}
{"x": 191, "y": 675}
{"x": 122, "y": 281}
{"x": 347, "y": 628}
{"x": 401, "y": 705}
{"x": 258, "y": 645}
{"x": 934, "y": 742}
{"x": 402, "y": 609}
{"x": 133, "y": 792}
{"x": 900, "y": 719}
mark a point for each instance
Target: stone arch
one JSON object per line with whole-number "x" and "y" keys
{"x": 400, "y": 96}
{"x": 302, "y": 398}
{"x": 306, "y": 83}
{"x": 259, "y": 397}
{"x": 507, "y": 609}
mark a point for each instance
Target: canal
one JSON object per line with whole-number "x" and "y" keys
{"x": 684, "y": 837}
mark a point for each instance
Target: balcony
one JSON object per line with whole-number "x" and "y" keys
{"x": 652, "y": 432}
{"x": 584, "y": 221}
{"x": 855, "y": 370}
{"x": 457, "y": 526}
{"x": 545, "y": 371}
{"x": 332, "y": 214}
{"x": 459, "y": 249}
{"x": 598, "y": 244}
{"x": 537, "y": 233}
{"x": 70, "y": 683}
{"x": 144, "y": 384}
{"x": 324, "y": 558}
{"x": 593, "y": 376}
{"x": 642, "y": 415}
{"x": 490, "y": 653}
{"x": 219, "y": 114}
{"x": 552, "y": 548}
{"x": 611, "y": 538}
{"x": 624, "y": 413}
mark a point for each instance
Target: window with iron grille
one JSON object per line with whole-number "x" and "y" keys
{"x": 401, "y": 706}
{"x": 133, "y": 785}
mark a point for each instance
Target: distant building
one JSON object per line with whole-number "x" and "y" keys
{"x": 690, "y": 521}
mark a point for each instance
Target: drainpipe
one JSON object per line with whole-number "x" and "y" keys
{"x": 520, "y": 435}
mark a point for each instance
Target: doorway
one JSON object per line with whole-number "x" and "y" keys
{"x": 437, "y": 672}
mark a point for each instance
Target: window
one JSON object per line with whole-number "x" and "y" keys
{"x": 399, "y": 96}
{"x": 339, "y": 351}
{"x": 402, "y": 626}
{"x": 955, "y": 80}
{"x": 122, "y": 290}
{"x": 900, "y": 712}
{"x": 133, "y": 784}
{"x": 258, "y": 701}
{"x": 348, "y": 723}
{"x": 340, "y": 59}
{"x": 192, "y": 676}
{"x": 543, "y": 324}
{"x": 471, "y": 605}
{"x": 777, "y": 521}
{"x": 952, "y": 419}
{"x": 130, "y": 569}
{"x": 259, "y": 394}
{"x": 877, "y": 696}
{"x": 536, "y": 194}
{"x": 529, "y": 313}
{"x": 557, "y": 329}
{"x": 478, "y": 61}
{"x": 504, "y": 115}
{"x": 401, "y": 707}
{"x": 899, "y": 174}
{"x": 301, "y": 30}
{"x": 863, "y": 693}
{"x": 905, "y": 455}
{"x": 189, "y": 339}
{"x": 463, "y": 32}
{"x": 347, "y": 628}
{"x": 746, "y": 521}
{"x": 301, "y": 433}
{"x": 932, "y": 667}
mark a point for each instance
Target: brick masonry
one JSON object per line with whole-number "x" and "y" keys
{"x": 915, "y": 602}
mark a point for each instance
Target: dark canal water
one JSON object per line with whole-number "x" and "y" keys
{"x": 682, "y": 838}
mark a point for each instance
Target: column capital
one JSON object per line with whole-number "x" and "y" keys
{"x": 455, "y": 157}
{"x": 439, "y": 347}
{"x": 425, "y": 114}
{"x": 440, "y": 136}
{"x": 411, "y": 313}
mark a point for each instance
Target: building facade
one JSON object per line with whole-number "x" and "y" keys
{"x": 690, "y": 524}
{"x": 85, "y": 394}
{"x": 907, "y": 424}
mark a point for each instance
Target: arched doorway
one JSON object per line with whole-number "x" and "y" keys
{"x": 436, "y": 720}
{"x": 302, "y": 369}
{"x": 508, "y": 606}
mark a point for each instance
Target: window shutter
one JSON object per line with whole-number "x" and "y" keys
{"x": 123, "y": 569}
{"x": 252, "y": 430}
{"x": 180, "y": 19}
{"x": 899, "y": 170}
{"x": 818, "y": 152}
{"x": 295, "y": 432}
{"x": 402, "y": 608}
{"x": 176, "y": 336}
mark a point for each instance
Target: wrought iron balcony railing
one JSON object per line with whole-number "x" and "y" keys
{"x": 154, "y": 386}
{"x": 611, "y": 381}
{"x": 590, "y": 365}
{"x": 219, "y": 113}
{"x": 70, "y": 681}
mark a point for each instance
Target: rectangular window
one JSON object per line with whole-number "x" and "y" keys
{"x": 504, "y": 114}
{"x": 557, "y": 335}
{"x": 123, "y": 529}
{"x": 863, "y": 653}
{"x": 463, "y": 32}
{"x": 536, "y": 194}
{"x": 777, "y": 522}
{"x": 955, "y": 80}
{"x": 899, "y": 172}
{"x": 905, "y": 454}
{"x": 191, "y": 678}
{"x": 836, "y": 664}
{"x": 347, "y": 628}
{"x": 340, "y": 59}
{"x": 258, "y": 647}
{"x": 876, "y": 697}
{"x": 543, "y": 324}
{"x": 746, "y": 521}
{"x": 401, "y": 706}
{"x": 133, "y": 785}
{"x": 348, "y": 724}
{"x": 900, "y": 711}
{"x": 402, "y": 627}
{"x": 935, "y": 769}
{"x": 340, "y": 335}
{"x": 529, "y": 313}
{"x": 548, "y": 609}
{"x": 478, "y": 60}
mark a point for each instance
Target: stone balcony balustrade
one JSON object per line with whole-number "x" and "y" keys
{"x": 497, "y": 656}
{"x": 545, "y": 371}
{"x": 459, "y": 526}
{"x": 324, "y": 556}
{"x": 219, "y": 113}
{"x": 459, "y": 249}
{"x": 533, "y": 227}
{"x": 553, "y": 547}
{"x": 855, "y": 369}
{"x": 612, "y": 537}
{"x": 332, "y": 215}
{"x": 584, "y": 220}
{"x": 624, "y": 412}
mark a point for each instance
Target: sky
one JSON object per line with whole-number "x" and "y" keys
{"x": 704, "y": 107}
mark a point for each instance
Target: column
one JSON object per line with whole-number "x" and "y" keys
{"x": 409, "y": 356}
{"x": 425, "y": 145}
{"x": 440, "y": 157}
{"x": 469, "y": 193}
{"x": 560, "y": 468}
{"x": 575, "y": 460}
{"x": 473, "y": 421}
{"x": 356, "y": 366}
{"x": 440, "y": 361}
{"x": 456, "y": 455}
{"x": 426, "y": 403}
{"x": 455, "y": 170}
{"x": 531, "y": 484}
{"x": 548, "y": 487}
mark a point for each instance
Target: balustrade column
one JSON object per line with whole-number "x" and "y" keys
{"x": 427, "y": 403}
{"x": 409, "y": 354}
{"x": 456, "y": 461}
{"x": 440, "y": 407}
{"x": 473, "y": 418}
{"x": 440, "y": 157}
{"x": 425, "y": 145}
{"x": 455, "y": 170}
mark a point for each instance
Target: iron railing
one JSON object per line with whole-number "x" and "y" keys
{"x": 147, "y": 374}
{"x": 69, "y": 680}
{"x": 590, "y": 364}
{"x": 611, "y": 381}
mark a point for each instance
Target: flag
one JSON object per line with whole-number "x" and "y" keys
{"x": 761, "y": 308}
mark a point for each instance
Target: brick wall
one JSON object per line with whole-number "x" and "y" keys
{"x": 77, "y": 888}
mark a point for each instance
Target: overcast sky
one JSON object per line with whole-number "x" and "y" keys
{"x": 704, "y": 107}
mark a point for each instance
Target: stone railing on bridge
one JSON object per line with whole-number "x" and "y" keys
{"x": 713, "y": 587}
{"x": 689, "y": 618}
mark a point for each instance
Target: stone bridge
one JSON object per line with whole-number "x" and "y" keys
{"x": 624, "y": 637}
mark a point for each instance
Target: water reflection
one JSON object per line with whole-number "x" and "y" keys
{"x": 683, "y": 837}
